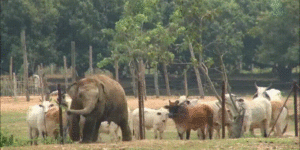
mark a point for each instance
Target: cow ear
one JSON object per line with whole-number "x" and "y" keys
{"x": 159, "y": 113}
{"x": 255, "y": 95}
{"x": 240, "y": 100}
{"x": 188, "y": 102}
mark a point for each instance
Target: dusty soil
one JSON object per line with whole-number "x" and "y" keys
{"x": 20, "y": 104}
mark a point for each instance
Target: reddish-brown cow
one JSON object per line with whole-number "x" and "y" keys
{"x": 191, "y": 117}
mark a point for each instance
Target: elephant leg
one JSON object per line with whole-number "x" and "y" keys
{"x": 126, "y": 133}
{"x": 74, "y": 129}
{"x": 97, "y": 126}
{"x": 89, "y": 129}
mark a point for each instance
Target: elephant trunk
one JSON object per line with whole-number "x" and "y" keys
{"x": 85, "y": 111}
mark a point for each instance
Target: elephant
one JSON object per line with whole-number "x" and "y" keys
{"x": 98, "y": 98}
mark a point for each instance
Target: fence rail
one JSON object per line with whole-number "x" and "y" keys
{"x": 7, "y": 87}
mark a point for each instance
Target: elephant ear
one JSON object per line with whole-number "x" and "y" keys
{"x": 101, "y": 88}
{"x": 73, "y": 90}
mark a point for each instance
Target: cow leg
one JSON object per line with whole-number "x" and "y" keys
{"x": 188, "y": 132}
{"x": 199, "y": 133}
{"x": 229, "y": 129}
{"x": 251, "y": 129}
{"x": 161, "y": 134}
{"x": 263, "y": 128}
{"x": 203, "y": 132}
{"x": 180, "y": 135}
{"x": 155, "y": 132}
{"x": 217, "y": 127}
{"x": 30, "y": 135}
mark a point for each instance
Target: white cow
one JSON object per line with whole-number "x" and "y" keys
{"x": 261, "y": 111}
{"x": 36, "y": 120}
{"x": 154, "y": 118}
{"x": 275, "y": 98}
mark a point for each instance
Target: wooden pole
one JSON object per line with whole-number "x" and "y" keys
{"x": 295, "y": 108}
{"x": 25, "y": 64}
{"x": 42, "y": 81}
{"x": 65, "y": 73}
{"x": 73, "y": 61}
{"x": 223, "y": 109}
{"x": 91, "y": 60}
{"x": 59, "y": 99}
{"x": 156, "y": 82}
{"x": 11, "y": 74}
{"x": 141, "y": 103}
{"x": 11, "y": 68}
{"x": 186, "y": 91}
{"x": 51, "y": 69}
{"x": 15, "y": 85}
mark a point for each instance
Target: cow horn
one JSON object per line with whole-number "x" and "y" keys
{"x": 269, "y": 86}
{"x": 255, "y": 85}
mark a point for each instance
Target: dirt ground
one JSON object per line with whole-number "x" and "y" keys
{"x": 20, "y": 104}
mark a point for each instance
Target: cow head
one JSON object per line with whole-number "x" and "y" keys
{"x": 46, "y": 105}
{"x": 163, "y": 114}
{"x": 261, "y": 91}
{"x": 173, "y": 108}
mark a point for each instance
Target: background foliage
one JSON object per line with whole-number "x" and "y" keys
{"x": 261, "y": 33}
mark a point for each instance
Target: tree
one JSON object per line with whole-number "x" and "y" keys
{"x": 39, "y": 19}
{"x": 278, "y": 30}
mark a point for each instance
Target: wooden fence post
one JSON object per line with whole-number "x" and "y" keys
{"x": 223, "y": 109}
{"x": 73, "y": 61}
{"x": 59, "y": 99}
{"x": 15, "y": 85}
{"x": 91, "y": 60}
{"x": 186, "y": 90}
{"x": 141, "y": 102}
{"x": 25, "y": 64}
{"x": 295, "y": 108}
{"x": 65, "y": 73}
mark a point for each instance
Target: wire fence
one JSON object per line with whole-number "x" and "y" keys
{"x": 8, "y": 86}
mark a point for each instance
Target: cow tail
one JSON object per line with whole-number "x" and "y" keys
{"x": 210, "y": 115}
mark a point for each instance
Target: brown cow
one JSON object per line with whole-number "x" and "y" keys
{"x": 187, "y": 118}
{"x": 52, "y": 122}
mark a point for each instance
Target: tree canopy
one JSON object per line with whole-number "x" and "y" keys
{"x": 264, "y": 33}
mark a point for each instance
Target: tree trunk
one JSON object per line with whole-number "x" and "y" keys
{"x": 224, "y": 75}
{"x": 117, "y": 70}
{"x": 156, "y": 82}
{"x": 166, "y": 79}
{"x": 284, "y": 73}
{"x": 201, "y": 92}
{"x": 186, "y": 90}
{"x": 133, "y": 77}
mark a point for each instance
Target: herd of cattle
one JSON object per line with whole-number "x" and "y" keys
{"x": 187, "y": 114}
